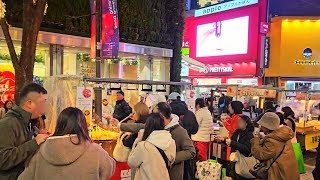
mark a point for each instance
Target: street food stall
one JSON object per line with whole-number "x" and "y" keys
{"x": 243, "y": 93}
{"x": 78, "y": 91}
{"x": 237, "y": 92}
{"x": 306, "y": 105}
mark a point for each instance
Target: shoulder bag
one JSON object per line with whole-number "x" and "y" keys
{"x": 260, "y": 170}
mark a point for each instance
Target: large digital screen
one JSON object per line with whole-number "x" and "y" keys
{"x": 227, "y": 37}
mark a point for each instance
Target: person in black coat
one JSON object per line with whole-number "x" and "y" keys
{"x": 267, "y": 107}
{"x": 187, "y": 118}
{"x": 240, "y": 141}
{"x": 122, "y": 109}
{"x": 316, "y": 171}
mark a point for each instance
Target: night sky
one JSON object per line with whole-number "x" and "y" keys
{"x": 295, "y": 7}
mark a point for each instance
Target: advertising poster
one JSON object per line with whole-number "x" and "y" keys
{"x": 191, "y": 99}
{"x": 109, "y": 30}
{"x": 218, "y": 38}
{"x": 7, "y": 84}
{"x": 84, "y": 102}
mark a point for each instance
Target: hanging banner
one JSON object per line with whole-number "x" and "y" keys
{"x": 84, "y": 102}
{"x": 109, "y": 30}
{"x": 93, "y": 29}
{"x": 250, "y": 92}
{"x": 232, "y": 91}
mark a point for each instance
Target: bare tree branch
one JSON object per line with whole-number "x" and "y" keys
{"x": 12, "y": 51}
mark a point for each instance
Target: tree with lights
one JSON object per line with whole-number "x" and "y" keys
{"x": 33, "y": 13}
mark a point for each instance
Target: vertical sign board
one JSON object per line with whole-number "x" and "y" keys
{"x": 265, "y": 52}
{"x": 84, "y": 102}
{"x": 93, "y": 29}
{"x": 109, "y": 30}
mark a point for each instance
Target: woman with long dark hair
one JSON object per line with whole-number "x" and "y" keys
{"x": 289, "y": 117}
{"x": 235, "y": 109}
{"x": 155, "y": 153}
{"x": 6, "y": 107}
{"x": 69, "y": 153}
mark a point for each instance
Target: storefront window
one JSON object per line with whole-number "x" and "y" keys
{"x": 161, "y": 69}
{"x": 76, "y": 61}
{"x": 42, "y": 60}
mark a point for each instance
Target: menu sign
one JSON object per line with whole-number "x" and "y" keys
{"x": 84, "y": 102}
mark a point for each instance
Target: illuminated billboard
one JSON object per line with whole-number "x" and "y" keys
{"x": 218, "y": 38}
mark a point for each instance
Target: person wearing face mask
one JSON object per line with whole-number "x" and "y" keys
{"x": 16, "y": 143}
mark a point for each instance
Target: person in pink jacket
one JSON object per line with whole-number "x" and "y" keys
{"x": 235, "y": 109}
{"x": 69, "y": 153}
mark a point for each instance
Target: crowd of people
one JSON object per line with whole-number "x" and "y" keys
{"x": 164, "y": 142}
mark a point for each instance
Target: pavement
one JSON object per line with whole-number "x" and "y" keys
{"x": 309, "y": 162}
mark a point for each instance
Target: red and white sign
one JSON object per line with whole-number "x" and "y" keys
{"x": 264, "y": 28}
{"x": 225, "y": 70}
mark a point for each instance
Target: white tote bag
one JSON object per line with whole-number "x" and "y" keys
{"x": 121, "y": 152}
{"x": 244, "y": 164}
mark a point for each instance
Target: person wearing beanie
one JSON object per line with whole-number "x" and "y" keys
{"x": 273, "y": 144}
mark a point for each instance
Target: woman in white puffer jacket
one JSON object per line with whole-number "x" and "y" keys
{"x": 202, "y": 138}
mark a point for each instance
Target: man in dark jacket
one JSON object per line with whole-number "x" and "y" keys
{"x": 122, "y": 109}
{"x": 223, "y": 104}
{"x": 316, "y": 171}
{"x": 185, "y": 148}
{"x": 16, "y": 143}
{"x": 187, "y": 118}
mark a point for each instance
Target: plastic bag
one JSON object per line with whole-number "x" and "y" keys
{"x": 299, "y": 157}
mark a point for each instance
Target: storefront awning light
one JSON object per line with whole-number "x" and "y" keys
{"x": 193, "y": 62}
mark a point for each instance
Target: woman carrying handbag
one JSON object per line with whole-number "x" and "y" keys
{"x": 241, "y": 147}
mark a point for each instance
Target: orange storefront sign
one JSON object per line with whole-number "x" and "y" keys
{"x": 250, "y": 92}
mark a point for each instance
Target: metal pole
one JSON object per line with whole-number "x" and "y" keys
{"x": 98, "y": 91}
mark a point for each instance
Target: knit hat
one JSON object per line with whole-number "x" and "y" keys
{"x": 270, "y": 121}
